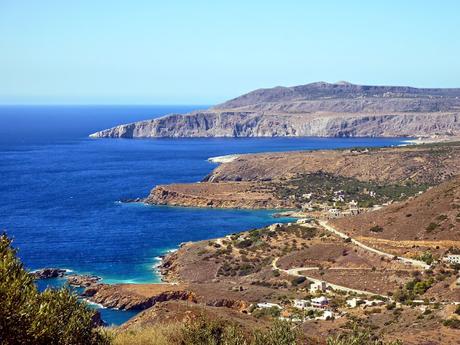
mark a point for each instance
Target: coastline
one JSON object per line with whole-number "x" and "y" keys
{"x": 224, "y": 159}
{"x": 430, "y": 140}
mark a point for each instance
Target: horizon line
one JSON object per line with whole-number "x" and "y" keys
{"x": 102, "y": 104}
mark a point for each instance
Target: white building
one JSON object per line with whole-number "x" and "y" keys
{"x": 268, "y": 305}
{"x": 327, "y": 315}
{"x": 304, "y": 221}
{"x": 452, "y": 258}
{"x": 354, "y": 302}
{"x": 274, "y": 226}
{"x": 301, "y": 304}
{"x": 334, "y": 213}
{"x": 319, "y": 302}
{"x": 318, "y": 286}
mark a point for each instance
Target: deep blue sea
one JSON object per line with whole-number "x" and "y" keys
{"x": 61, "y": 191}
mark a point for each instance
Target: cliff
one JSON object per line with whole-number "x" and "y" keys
{"x": 317, "y": 109}
{"x": 136, "y": 296}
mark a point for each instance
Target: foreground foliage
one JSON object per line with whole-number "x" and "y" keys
{"x": 30, "y": 317}
{"x": 203, "y": 331}
{"x": 359, "y": 336}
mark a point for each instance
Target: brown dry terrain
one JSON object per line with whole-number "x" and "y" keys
{"x": 264, "y": 180}
{"x": 226, "y": 277}
{"x": 173, "y": 311}
{"x": 422, "y": 164}
{"x": 222, "y": 195}
{"x": 430, "y": 221}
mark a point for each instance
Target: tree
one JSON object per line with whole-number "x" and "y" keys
{"x": 30, "y": 317}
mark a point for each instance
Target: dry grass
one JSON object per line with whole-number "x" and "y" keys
{"x": 155, "y": 335}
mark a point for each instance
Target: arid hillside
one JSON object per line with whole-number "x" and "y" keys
{"x": 422, "y": 164}
{"x": 316, "y": 109}
{"x": 433, "y": 215}
{"x": 278, "y": 180}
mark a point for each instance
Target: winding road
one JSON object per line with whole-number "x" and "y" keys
{"x": 296, "y": 272}
{"x": 413, "y": 262}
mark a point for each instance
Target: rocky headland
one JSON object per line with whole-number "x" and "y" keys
{"x": 316, "y": 109}
{"x": 136, "y": 296}
{"x": 285, "y": 180}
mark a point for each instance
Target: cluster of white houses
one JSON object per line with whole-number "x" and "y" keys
{"x": 452, "y": 258}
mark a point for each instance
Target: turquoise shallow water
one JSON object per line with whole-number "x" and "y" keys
{"x": 61, "y": 191}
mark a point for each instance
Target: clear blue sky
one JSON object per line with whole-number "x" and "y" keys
{"x": 204, "y": 52}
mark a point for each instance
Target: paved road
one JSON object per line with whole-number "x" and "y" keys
{"x": 412, "y": 262}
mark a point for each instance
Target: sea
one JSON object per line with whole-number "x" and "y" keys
{"x": 62, "y": 193}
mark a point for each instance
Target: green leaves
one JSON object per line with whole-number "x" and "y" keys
{"x": 30, "y": 317}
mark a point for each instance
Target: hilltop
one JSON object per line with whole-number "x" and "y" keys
{"x": 317, "y": 109}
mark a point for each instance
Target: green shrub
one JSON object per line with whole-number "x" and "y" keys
{"x": 244, "y": 243}
{"x": 431, "y": 227}
{"x": 376, "y": 228}
{"x": 442, "y": 217}
{"x": 30, "y": 317}
{"x": 298, "y": 280}
{"x": 427, "y": 257}
{"x": 359, "y": 336}
{"x": 457, "y": 310}
{"x": 210, "y": 332}
{"x": 452, "y": 323}
{"x": 281, "y": 333}
{"x": 270, "y": 312}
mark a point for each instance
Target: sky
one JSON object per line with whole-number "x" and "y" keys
{"x": 205, "y": 52}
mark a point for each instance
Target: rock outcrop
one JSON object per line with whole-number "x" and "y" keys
{"x": 82, "y": 280}
{"x": 217, "y": 195}
{"x": 135, "y": 296}
{"x": 317, "y": 109}
{"x": 47, "y": 273}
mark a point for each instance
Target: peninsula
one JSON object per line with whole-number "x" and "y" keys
{"x": 317, "y": 109}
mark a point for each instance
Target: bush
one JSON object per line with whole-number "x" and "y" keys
{"x": 203, "y": 331}
{"x": 431, "y": 227}
{"x": 457, "y": 310}
{"x": 298, "y": 280}
{"x": 281, "y": 333}
{"x": 30, "y": 317}
{"x": 452, "y": 323}
{"x": 244, "y": 243}
{"x": 270, "y": 312}
{"x": 359, "y": 336}
{"x": 427, "y": 257}
{"x": 376, "y": 228}
{"x": 211, "y": 332}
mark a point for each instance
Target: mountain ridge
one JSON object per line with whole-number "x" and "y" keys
{"x": 317, "y": 109}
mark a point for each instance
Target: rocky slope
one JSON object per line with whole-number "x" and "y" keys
{"x": 136, "y": 296}
{"x": 317, "y": 109}
{"x": 255, "y": 180}
{"x": 423, "y": 164}
{"x": 217, "y": 195}
{"x": 434, "y": 215}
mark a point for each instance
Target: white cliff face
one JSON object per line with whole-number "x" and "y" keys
{"x": 319, "y": 109}
{"x": 258, "y": 125}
